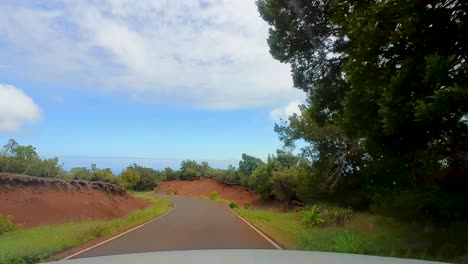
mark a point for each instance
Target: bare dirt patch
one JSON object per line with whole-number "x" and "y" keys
{"x": 203, "y": 186}
{"x": 33, "y": 201}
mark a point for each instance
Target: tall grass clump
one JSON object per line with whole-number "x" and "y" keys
{"x": 348, "y": 242}
{"x": 312, "y": 217}
{"x": 233, "y": 205}
{"x": 213, "y": 195}
{"x": 6, "y": 225}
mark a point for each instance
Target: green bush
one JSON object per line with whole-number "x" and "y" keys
{"x": 337, "y": 216}
{"x": 213, "y": 195}
{"x": 247, "y": 206}
{"x": 6, "y": 225}
{"x": 99, "y": 231}
{"x": 233, "y": 205}
{"x": 312, "y": 217}
{"x": 348, "y": 242}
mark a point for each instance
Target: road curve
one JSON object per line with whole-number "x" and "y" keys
{"x": 194, "y": 223}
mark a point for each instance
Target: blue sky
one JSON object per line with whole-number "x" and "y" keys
{"x": 152, "y": 82}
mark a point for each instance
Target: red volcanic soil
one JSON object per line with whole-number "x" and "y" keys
{"x": 33, "y": 201}
{"x": 203, "y": 186}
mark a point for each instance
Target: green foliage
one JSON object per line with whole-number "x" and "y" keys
{"x": 190, "y": 170}
{"x": 149, "y": 178}
{"x": 260, "y": 181}
{"x": 386, "y": 93}
{"x": 282, "y": 227}
{"x": 247, "y": 206}
{"x": 233, "y": 205}
{"x": 170, "y": 175}
{"x": 81, "y": 173}
{"x": 130, "y": 177}
{"x": 342, "y": 241}
{"x": 337, "y": 216}
{"x": 249, "y": 164}
{"x": 284, "y": 181}
{"x": 312, "y": 217}
{"x": 348, "y": 242}
{"x": 104, "y": 175}
{"x": 364, "y": 234}
{"x": 6, "y": 225}
{"x": 15, "y": 158}
{"x": 213, "y": 196}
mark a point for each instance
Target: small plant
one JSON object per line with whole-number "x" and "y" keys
{"x": 233, "y": 205}
{"x": 311, "y": 217}
{"x": 247, "y": 206}
{"x": 30, "y": 259}
{"x": 99, "y": 231}
{"x": 348, "y": 242}
{"x": 213, "y": 195}
{"x": 6, "y": 225}
{"x": 337, "y": 216}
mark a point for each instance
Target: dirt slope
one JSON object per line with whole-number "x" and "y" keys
{"x": 33, "y": 201}
{"x": 203, "y": 186}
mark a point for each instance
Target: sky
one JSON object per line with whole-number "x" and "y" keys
{"x": 153, "y": 82}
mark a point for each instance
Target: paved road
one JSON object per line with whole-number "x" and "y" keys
{"x": 194, "y": 224}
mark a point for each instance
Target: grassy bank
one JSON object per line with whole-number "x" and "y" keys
{"x": 364, "y": 234}
{"x": 40, "y": 243}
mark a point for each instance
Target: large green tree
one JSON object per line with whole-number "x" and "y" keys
{"x": 387, "y": 89}
{"x": 190, "y": 170}
{"x": 248, "y": 164}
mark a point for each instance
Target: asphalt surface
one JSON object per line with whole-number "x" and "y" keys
{"x": 193, "y": 224}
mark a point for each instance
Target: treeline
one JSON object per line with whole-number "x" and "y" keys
{"x": 15, "y": 158}
{"x": 279, "y": 177}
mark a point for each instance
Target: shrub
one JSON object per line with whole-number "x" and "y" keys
{"x": 213, "y": 195}
{"x": 337, "y": 216}
{"x": 99, "y": 231}
{"x": 233, "y": 205}
{"x": 311, "y": 217}
{"x": 247, "y": 206}
{"x": 6, "y": 225}
{"x": 348, "y": 242}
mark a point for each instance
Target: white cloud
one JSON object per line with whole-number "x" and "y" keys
{"x": 285, "y": 111}
{"x": 16, "y": 108}
{"x": 198, "y": 53}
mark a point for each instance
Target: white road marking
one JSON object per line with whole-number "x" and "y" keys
{"x": 256, "y": 229}
{"x": 119, "y": 235}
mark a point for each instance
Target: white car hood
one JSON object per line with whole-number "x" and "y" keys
{"x": 244, "y": 256}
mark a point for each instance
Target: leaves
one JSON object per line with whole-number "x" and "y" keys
{"x": 387, "y": 87}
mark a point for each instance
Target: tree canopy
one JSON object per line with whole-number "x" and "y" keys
{"x": 387, "y": 86}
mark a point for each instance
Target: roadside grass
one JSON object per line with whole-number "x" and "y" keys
{"x": 214, "y": 196}
{"x": 364, "y": 234}
{"x": 40, "y": 243}
{"x": 284, "y": 228}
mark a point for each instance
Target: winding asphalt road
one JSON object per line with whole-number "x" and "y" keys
{"x": 194, "y": 223}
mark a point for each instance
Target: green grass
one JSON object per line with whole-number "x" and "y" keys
{"x": 282, "y": 227}
{"x": 364, "y": 234}
{"x": 214, "y": 196}
{"x": 42, "y": 242}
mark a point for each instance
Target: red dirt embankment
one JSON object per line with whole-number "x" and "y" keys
{"x": 203, "y": 186}
{"x": 33, "y": 201}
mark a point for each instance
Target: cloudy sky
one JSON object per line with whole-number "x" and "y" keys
{"x": 150, "y": 81}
